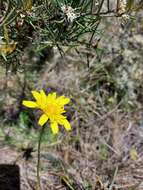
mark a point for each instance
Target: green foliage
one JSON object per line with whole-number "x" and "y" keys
{"x": 24, "y": 120}
{"x": 20, "y": 136}
{"x": 37, "y": 25}
{"x": 130, "y": 4}
{"x": 103, "y": 151}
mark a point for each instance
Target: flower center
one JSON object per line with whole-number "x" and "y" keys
{"x": 51, "y": 110}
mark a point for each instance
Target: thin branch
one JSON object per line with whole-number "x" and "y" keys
{"x": 108, "y": 5}
{"x": 100, "y": 7}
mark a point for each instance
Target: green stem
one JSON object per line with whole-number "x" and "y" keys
{"x": 38, "y": 158}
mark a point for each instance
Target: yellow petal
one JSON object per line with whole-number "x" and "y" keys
{"x": 29, "y": 104}
{"x": 62, "y": 100}
{"x": 66, "y": 125}
{"x": 36, "y": 95}
{"x": 43, "y": 97}
{"x": 7, "y": 48}
{"x": 54, "y": 127}
{"x": 51, "y": 97}
{"x": 54, "y": 95}
{"x": 43, "y": 119}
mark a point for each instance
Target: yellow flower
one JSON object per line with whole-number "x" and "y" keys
{"x": 7, "y": 48}
{"x": 52, "y": 108}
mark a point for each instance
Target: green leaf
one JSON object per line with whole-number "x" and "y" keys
{"x": 130, "y": 4}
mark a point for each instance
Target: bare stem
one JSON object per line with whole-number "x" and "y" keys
{"x": 38, "y": 158}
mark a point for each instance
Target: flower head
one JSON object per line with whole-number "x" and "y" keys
{"x": 7, "y": 48}
{"x": 122, "y": 6}
{"x": 52, "y": 108}
{"x": 69, "y": 12}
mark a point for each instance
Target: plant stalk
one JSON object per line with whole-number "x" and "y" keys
{"x": 38, "y": 158}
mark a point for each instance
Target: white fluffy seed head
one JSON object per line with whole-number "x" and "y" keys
{"x": 69, "y": 12}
